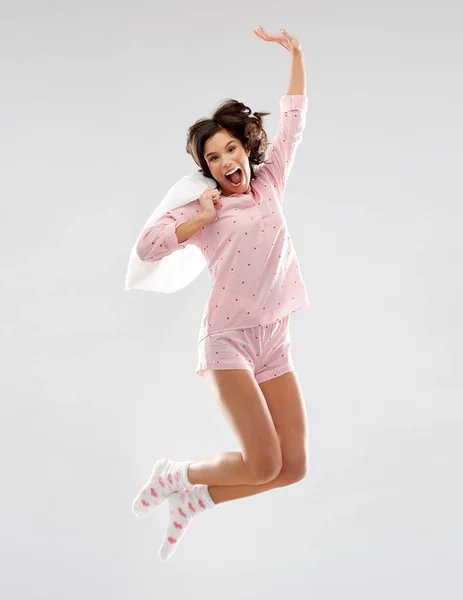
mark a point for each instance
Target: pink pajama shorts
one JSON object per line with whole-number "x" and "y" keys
{"x": 264, "y": 350}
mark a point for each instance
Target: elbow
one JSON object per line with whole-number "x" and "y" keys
{"x": 148, "y": 254}
{"x": 153, "y": 245}
{"x": 142, "y": 251}
{"x": 146, "y": 244}
{"x": 141, "y": 255}
{"x": 145, "y": 255}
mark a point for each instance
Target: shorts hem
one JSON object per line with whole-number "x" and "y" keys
{"x": 200, "y": 370}
{"x": 273, "y": 373}
{"x": 260, "y": 377}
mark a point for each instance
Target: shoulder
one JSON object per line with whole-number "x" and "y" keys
{"x": 263, "y": 174}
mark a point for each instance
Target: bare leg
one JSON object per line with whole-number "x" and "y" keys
{"x": 224, "y": 493}
{"x": 228, "y": 468}
{"x": 229, "y": 476}
{"x": 222, "y": 474}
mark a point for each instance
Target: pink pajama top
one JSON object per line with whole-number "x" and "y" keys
{"x": 254, "y": 268}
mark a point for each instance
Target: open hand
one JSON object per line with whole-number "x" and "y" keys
{"x": 284, "y": 39}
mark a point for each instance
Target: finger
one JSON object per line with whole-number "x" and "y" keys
{"x": 272, "y": 38}
{"x": 263, "y": 32}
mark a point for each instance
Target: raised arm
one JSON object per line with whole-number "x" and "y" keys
{"x": 297, "y": 78}
{"x": 293, "y": 107}
{"x": 289, "y": 135}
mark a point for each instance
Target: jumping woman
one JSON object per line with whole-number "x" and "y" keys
{"x": 244, "y": 342}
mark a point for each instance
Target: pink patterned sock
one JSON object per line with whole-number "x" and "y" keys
{"x": 184, "y": 506}
{"x": 167, "y": 477}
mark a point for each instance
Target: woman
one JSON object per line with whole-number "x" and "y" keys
{"x": 244, "y": 341}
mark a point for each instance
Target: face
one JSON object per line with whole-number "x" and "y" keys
{"x": 223, "y": 153}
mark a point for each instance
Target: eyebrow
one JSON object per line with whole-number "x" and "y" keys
{"x": 230, "y": 142}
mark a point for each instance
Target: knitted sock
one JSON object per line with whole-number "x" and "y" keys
{"x": 167, "y": 477}
{"x": 184, "y": 506}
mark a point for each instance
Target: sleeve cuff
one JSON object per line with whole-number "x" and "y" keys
{"x": 294, "y": 102}
{"x": 170, "y": 238}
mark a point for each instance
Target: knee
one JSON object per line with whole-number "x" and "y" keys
{"x": 265, "y": 468}
{"x": 293, "y": 470}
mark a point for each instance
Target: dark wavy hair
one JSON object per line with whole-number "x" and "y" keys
{"x": 239, "y": 120}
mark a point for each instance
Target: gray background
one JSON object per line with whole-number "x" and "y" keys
{"x": 98, "y": 383}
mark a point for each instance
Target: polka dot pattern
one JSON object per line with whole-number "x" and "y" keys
{"x": 265, "y": 351}
{"x": 252, "y": 263}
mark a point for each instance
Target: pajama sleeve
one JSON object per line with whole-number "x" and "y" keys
{"x": 159, "y": 240}
{"x": 280, "y": 158}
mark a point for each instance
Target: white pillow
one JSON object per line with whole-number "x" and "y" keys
{"x": 178, "y": 269}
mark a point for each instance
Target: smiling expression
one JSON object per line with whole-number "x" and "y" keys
{"x": 223, "y": 153}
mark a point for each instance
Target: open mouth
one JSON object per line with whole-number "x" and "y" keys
{"x": 235, "y": 178}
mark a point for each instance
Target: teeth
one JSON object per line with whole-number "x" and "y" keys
{"x": 232, "y": 171}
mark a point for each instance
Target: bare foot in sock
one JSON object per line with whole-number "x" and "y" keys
{"x": 167, "y": 477}
{"x": 184, "y": 506}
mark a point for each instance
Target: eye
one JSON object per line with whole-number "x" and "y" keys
{"x": 231, "y": 148}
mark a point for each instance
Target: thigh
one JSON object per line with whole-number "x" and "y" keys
{"x": 245, "y": 408}
{"x": 276, "y": 357}
{"x": 285, "y": 401}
